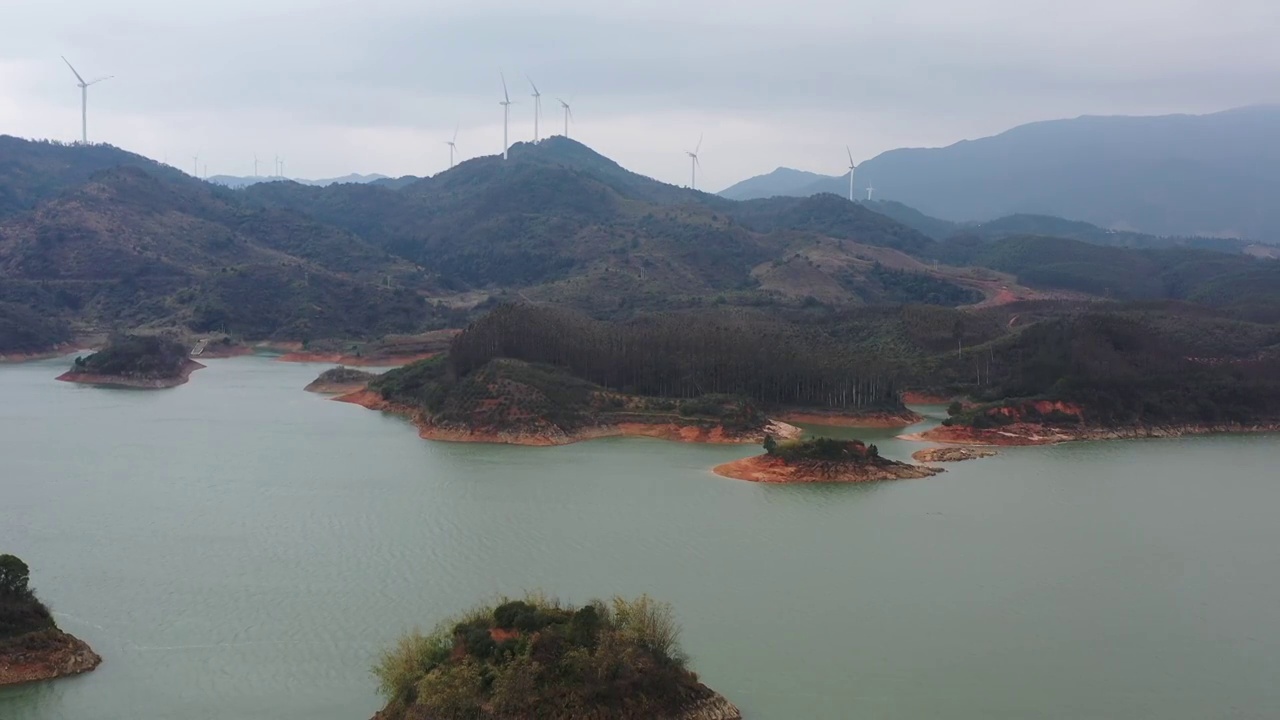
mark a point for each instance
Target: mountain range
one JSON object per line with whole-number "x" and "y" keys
{"x": 235, "y": 181}
{"x": 94, "y": 239}
{"x": 1175, "y": 175}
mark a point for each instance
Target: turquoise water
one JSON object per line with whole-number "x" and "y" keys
{"x": 239, "y": 549}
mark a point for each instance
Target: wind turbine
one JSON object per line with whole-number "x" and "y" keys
{"x": 195, "y": 166}
{"x": 869, "y": 191}
{"x": 852, "y": 167}
{"x": 568, "y": 113}
{"x": 537, "y": 107}
{"x": 453, "y": 145}
{"x": 506, "y": 114}
{"x": 694, "y": 164}
{"x": 84, "y": 100}
{"x": 255, "y": 164}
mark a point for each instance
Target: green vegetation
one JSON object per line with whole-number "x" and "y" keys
{"x": 20, "y": 611}
{"x": 137, "y": 356}
{"x": 25, "y": 331}
{"x": 897, "y": 287}
{"x": 538, "y": 658}
{"x": 822, "y": 450}
{"x": 345, "y": 376}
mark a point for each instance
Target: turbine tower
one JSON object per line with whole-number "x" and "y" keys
{"x": 694, "y": 164}
{"x": 255, "y": 164}
{"x": 568, "y": 113}
{"x": 506, "y": 114}
{"x": 537, "y": 107}
{"x": 852, "y": 167}
{"x": 195, "y": 166}
{"x": 453, "y": 145}
{"x": 84, "y": 100}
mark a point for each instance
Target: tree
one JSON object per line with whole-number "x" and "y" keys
{"x": 14, "y": 576}
{"x": 770, "y": 444}
{"x": 955, "y": 408}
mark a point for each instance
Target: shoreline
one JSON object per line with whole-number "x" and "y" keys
{"x": 300, "y": 356}
{"x": 772, "y": 470}
{"x": 1030, "y": 435}
{"x": 674, "y": 432}
{"x": 56, "y": 351}
{"x": 44, "y": 655}
{"x": 875, "y": 419}
{"x": 951, "y": 454}
{"x": 122, "y": 381}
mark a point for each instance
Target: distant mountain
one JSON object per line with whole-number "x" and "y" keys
{"x": 233, "y": 181}
{"x": 1177, "y": 175}
{"x": 780, "y": 182}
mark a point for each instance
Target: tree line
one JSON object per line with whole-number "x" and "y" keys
{"x": 685, "y": 355}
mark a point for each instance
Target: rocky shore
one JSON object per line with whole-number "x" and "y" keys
{"x": 1026, "y": 434}
{"x": 128, "y": 381}
{"x": 951, "y": 454}
{"x": 690, "y": 431}
{"x": 770, "y": 469}
{"x": 44, "y": 655}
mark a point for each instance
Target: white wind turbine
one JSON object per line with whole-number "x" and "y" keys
{"x": 869, "y": 191}
{"x": 852, "y": 167}
{"x": 506, "y": 114}
{"x": 453, "y": 145}
{"x": 694, "y": 164}
{"x": 568, "y": 113}
{"x": 84, "y": 100}
{"x": 537, "y": 107}
{"x": 195, "y": 166}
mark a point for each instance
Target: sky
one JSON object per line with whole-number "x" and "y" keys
{"x": 378, "y": 86}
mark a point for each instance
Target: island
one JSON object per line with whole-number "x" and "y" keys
{"x": 951, "y": 454}
{"x": 821, "y": 460}
{"x": 32, "y": 648}
{"x": 520, "y": 403}
{"x": 539, "y": 658}
{"x": 135, "y": 361}
{"x": 341, "y": 380}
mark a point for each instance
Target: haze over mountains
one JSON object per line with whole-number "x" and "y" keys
{"x": 1208, "y": 175}
{"x": 236, "y": 181}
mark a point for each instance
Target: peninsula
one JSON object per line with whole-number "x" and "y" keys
{"x": 32, "y": 648}
{"x": 340, "y": 381}
{"x": 538, "y": 658}
{"x": 135, "y": 361}
{"x": 519, "y": 403}
{"x": 820, "y": 460}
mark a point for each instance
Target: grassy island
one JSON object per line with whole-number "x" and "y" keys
{"x": 820, "y": 459}
{"x": 143, "y": 361}
{"x": 31, "y": 645}
{"x": 537, "y": 658}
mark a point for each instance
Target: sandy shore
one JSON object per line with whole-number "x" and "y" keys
{"x": 769, "y": 469}
{"x": 44, "y": 655}
{"x": 692, "y": 432}
{"x": 132, "y": 382}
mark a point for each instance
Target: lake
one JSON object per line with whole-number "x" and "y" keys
{"x": 237, "y": 549}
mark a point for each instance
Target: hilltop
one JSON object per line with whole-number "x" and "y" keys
{"x": 1174, "y": 175}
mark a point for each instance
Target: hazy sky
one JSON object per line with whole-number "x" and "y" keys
{"x": 378, "y": 85}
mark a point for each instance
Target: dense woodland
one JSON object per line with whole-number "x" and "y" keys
{"x": 20, "y": 611}
{"x": 685, "y": 355}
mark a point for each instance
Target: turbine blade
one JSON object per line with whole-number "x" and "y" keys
{"x": 73, "y": 70}
{"x": 455, "y": 132}
{"x": 535, "y": 87}
{"x": 505, "y": 95}
{"x": 95, "y": 82}
{"x": 699, "y": 146}
{"x": 851, "y": 163}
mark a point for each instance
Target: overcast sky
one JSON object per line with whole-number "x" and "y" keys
{"x": 339, "y": 86}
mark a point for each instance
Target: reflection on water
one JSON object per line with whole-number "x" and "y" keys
{"x": 237, "y": 549}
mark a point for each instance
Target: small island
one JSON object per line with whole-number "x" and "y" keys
{"x": 135, "y": 361}
{"x": 537, "y": 658}
{"x": 32, "y": 648}
{"x": 340, "y": 381}
{"x": 951, "y": 454}
{"x": 821, "y": 460}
